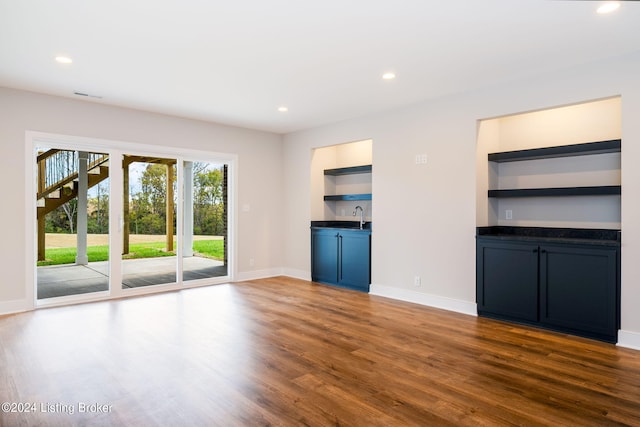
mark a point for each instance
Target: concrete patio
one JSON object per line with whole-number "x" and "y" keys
{"x": 71, "y": 279}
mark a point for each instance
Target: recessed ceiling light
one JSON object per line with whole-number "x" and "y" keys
{"x": 389, "y": 76}
{"x": 283, "y": 109}
{"x": 64, "y": 59}
{"x": 609, "y": 7}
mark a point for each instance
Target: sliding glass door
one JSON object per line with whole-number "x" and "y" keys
{"x": 110, "y": 222}
{"x": 204, "y": 243}
{"x": 72, "y": 205}
{"x": 149, "y": 226}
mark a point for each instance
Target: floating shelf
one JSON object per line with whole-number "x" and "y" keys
{"x": 589, "y": 148}
{"x": 348, "y": 171}
{"x": 339, "y": 197}
{"x": 605, "y": 190}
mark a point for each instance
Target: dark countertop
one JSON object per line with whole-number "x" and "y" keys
{"x": 590, "y": 236}
{"x": 351, "y": 225}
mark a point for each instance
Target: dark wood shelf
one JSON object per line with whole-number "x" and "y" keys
{"x": 603, "y": 190}
{"x": 339, "y": 197}
{"x": 589, "y": 148}
{"x": 348, "y": 171}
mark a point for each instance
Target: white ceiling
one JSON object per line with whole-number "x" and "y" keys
{"x": 237, "y": 61}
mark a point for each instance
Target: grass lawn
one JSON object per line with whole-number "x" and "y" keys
{"x": 205, "y": 248}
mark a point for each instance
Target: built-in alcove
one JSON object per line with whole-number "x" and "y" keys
{"x": 509, "y": 157}
{"x": 548, "y": 217}
{"x": 341, "y": 179}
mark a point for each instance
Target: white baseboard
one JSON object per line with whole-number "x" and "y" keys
{"x": 15, "y": 306}
{"x": 430, "y": 300}
{"x": 629, "y": 339}
{"x": 259, "y": 274}
{"x": 272, "y": 272}
{"x": 297, "y": 274}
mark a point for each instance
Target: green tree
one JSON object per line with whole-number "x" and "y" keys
{"x": 57, "y": 221}
{"x": 98, "y": 210}
{"x": 148, "y": 206}
{"x": 208, "y": 203}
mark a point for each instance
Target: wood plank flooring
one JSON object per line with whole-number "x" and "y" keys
{"x": 286, "y": 352}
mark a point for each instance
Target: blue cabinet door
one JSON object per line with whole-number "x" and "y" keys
{"x": 355, "y": 260}
{"x": 507, "y": 279}
{"x": 578, "y": 288}
{"x": 324, "y": 256}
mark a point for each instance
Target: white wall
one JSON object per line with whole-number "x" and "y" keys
{"x": 259, "y": 172}
{"x": 426, "y": 214}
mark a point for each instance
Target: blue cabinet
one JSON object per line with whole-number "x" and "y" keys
{"x": 341, "y": 257}
{"x": 565, "y": 286}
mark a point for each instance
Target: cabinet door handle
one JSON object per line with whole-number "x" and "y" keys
{"x": 535, "y": 251}
{"x": 339, "y": 257}
{"x": 544, "y": 251}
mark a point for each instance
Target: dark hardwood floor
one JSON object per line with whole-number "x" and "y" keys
{"x": 287, "y": 352}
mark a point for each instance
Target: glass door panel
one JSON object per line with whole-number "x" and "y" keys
{"x": 205, "y": 221}
{"x": 72, "y": 204}
{"x": 149, "y": 221}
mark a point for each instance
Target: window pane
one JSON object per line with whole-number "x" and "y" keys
{"x": 149, "y": 256}
{"x": 205, "y": 220}
{"x": 73, "y": 222}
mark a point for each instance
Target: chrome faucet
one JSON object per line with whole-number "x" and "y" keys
{"x": 361, "y": 215}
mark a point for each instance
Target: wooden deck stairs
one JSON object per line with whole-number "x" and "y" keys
{"x": 55, "y": 188}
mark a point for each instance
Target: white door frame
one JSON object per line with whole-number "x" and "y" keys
{"x": 116, "y": 151}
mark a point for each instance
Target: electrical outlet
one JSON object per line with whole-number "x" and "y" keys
{"x": 508, "y": 214}
{"x": 252, "y": 262}
{"x": 417, "y": 281}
